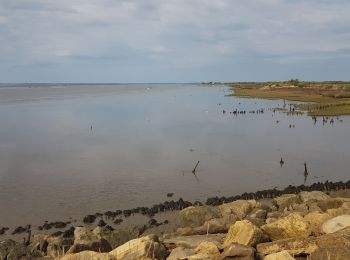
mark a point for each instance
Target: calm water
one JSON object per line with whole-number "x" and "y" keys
{"x": 144, "y": 143}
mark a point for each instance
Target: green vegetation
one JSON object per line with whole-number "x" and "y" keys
{"x": 331, "y": 98}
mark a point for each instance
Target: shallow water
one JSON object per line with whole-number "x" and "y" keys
{"x": 144, "y": 143}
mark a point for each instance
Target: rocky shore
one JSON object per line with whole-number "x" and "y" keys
{"x": 299, "y": 222}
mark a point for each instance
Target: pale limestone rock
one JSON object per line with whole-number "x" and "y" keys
{"x": 180, "y": 253}
{"x": 208, "y": 248}
{"x": 85, "y": 239}
{"x": 295, "y": 246}
{"x": 283, "y": 255}
{"x": 238, "y": 251}
{"x": 335, "y": 244}
{"x": 315, "y": 221}
{"x": 335, "y": 224}
{"x": 290, "y": 226}
{"x": 313, "y": 206}
{"x": 245, "y": 233}
{"x": 88, "y": 255}
{"x": 329, "y": 204}
{"x": 332, "y": 212}
{"x": 301, "y": 208}
{"x": 196, "y": 216}
{"x": 193, "y": 242}
{"x": 285, "y": 201}
{"x": 140, "y": 248}
{"x": 199, "y": 257}
{"x": 213, "y": 226}
{"x": 238, "y": 208}
{"x": 306, "y": 196}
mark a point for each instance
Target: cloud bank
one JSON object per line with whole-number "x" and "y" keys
{"x": 173, "y": 40}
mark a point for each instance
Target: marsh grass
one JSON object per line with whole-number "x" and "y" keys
{"x": 319, "y": 98}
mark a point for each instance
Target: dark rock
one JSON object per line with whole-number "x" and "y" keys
{"x": 101, "y": 223}
{"x": 108, "y": 227}
{"x": 19, "y": 230}
{"x": 59, "y": 224}
{"x": 47, "y": 226}
{"x": 3, "y": 230}
{"x": 68, "y": 233}
{"x": 89, "y": 219}
{"x": 127, "y": 213}
{"x": 118, "y": 221}
{"x": 110, "y": 214}
{"x": 57, "y": 234}
{"x": 153, "y": 223}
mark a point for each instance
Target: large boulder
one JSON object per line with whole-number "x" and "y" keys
{"x": 295, "y": 246}
{"x": 333, "y": 244}
{"x": 180, "y": 253}
{"x": 85, "y": 255}
{"x": 238, "y": 251}
{"x": 285, "y": 201}
{"x": 335, "y": 224}
{"x": 306, "y": 196}
{"x": 193, "y": 242}
{"x": 315, "y": 221}
{"x": 196, "y": 216}
{"x": 329, "y": 204}
{"x": 213, "y": 226}
{"x": 85, "y": 239}
{"x": 238, "y": 208}
{"x": 290, "y": 226}
{"x": 147, "y": 247}
{"x": 283, "y": 255}
{"x": 244, "y": 232}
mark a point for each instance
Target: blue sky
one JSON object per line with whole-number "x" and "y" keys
{"x": 173, "y": 40}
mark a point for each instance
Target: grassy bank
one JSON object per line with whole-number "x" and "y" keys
{"x": 321, "y": 98}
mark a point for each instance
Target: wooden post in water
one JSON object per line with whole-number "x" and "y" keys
{"x": 194, "y": 170}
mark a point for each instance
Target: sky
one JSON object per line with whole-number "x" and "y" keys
{"x": 173, "y": 40}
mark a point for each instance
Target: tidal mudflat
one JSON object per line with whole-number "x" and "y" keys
{"x": 71, "y": 150}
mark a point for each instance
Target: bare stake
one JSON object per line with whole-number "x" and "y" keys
{"x": 194, "y": 170}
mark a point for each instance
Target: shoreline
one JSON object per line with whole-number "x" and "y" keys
{"x": 297, "y": 221}
{"x": 143, "y": 213}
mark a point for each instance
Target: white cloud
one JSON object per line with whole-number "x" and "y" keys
{"x": 168, "y": 34}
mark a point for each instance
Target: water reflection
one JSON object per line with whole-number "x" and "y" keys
{"x": 67, "y": 151}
